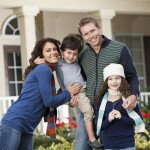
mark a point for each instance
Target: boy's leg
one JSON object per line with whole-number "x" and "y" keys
{"x": 89, "y": 129}
{"x": 81, "y": 135}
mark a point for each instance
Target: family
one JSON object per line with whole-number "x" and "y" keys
{"x": 95, "y": 74}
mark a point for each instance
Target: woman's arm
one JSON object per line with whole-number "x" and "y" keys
{"x": 44, "y": 77}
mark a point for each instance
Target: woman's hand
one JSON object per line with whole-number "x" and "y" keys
{"x": 74, "y": 102}
{"x": 130, "y": 102}
{"x": 74, "y": 88}
{"x": 39, "y": 61}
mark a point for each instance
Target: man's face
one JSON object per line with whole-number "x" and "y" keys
{"x": 91, "y": 34}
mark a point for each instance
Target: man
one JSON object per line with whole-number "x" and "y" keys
{"x": 99, "y": 52}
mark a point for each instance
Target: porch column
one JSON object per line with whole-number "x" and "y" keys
{"x": 26, "y": 20}
{"x": 104, "y": 17}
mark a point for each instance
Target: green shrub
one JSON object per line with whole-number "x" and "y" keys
{"x": 42, "y": 142}
{"x": 142, "y": 141}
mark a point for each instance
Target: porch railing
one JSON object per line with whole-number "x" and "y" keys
{"x": 63, "y": 111}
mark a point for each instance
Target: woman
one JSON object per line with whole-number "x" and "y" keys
{"x": 18, "y": 124}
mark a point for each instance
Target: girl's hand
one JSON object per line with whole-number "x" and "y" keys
{"x": 117, "y": 114}
{"x": 74, "y": 89}
{"x": 39, "y": 61}
{"x": 111, "y": 116}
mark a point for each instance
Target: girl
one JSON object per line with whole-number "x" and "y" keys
{"x": 117, "y": 123}
{"x": 38, "y": 94}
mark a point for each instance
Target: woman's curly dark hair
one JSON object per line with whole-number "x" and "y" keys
{"x": 37, "y": 52}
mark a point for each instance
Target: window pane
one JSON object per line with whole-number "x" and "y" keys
{"x": 142, "y": 85}
{"x": 137, "y": 56}
{"x": 137, "y": 42}
{"x": 19, "y": 74}
{"x": 18, "y": 59}
{"x": 139, "y": 69}
{"x": 11, "y": 74}
{"x": 12, "y": 89}
{"x": 10, "y": 59}
{"x": 19, "y": 88}
{"x": 17, "y": 32}
{"x": 9, "y": 31}
{"x": 14, "y": 23}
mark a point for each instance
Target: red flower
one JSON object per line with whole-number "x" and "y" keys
{"x": 145, "y": 115}
{"x": 62, "y": 124}
{"x": 57, "y": 125}
{"x": 70, "y": 119}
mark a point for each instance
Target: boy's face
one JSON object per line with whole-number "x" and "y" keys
{"x": 70, "y": 56}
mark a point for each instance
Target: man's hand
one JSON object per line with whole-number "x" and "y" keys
{"x": 74, "y": 102}
{"x": 39, "y": 61}
{"x": 130, "y": 102}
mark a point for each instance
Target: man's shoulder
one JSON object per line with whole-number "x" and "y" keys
{"x": 117, "y": 43}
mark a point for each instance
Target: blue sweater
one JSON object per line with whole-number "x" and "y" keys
{"x": 25, "y": 114}
{"x": 120, "y": 132}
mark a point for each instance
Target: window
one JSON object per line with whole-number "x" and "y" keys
{"x": 12, "y": 58}
{"x": 135, "y": 45}
{"x": 13, "y": 69}
{"x": 10, "y": 26}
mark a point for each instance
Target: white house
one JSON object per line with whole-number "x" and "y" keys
{"x": 22, "y": 22}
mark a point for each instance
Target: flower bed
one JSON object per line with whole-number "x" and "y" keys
{"x": 66, "y": 135}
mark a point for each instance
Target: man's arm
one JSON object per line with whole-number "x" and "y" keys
{"x": 131, "y": 77}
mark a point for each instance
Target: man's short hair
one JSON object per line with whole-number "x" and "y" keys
{"x": 87, "y": 20}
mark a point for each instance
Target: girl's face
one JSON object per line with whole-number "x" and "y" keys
{"x": 50, "y": 53}
{"x": 114, "y": 82}
{"x": 70, "y": 56}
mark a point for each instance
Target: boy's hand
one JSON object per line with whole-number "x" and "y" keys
{"x": 130, "y": 102}
{"x": 39, "y": 60}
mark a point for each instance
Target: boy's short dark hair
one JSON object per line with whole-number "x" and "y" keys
{"x": 73, "y": 42}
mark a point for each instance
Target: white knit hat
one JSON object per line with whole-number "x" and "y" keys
{"x": 113, "y": 69}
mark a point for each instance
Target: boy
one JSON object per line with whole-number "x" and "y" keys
{"x": 69, "y": 72}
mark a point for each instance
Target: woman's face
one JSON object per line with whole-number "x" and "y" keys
{"x": 50, "y": 53}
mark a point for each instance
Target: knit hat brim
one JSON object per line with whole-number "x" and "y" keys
{"x": 113, "y": 69}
